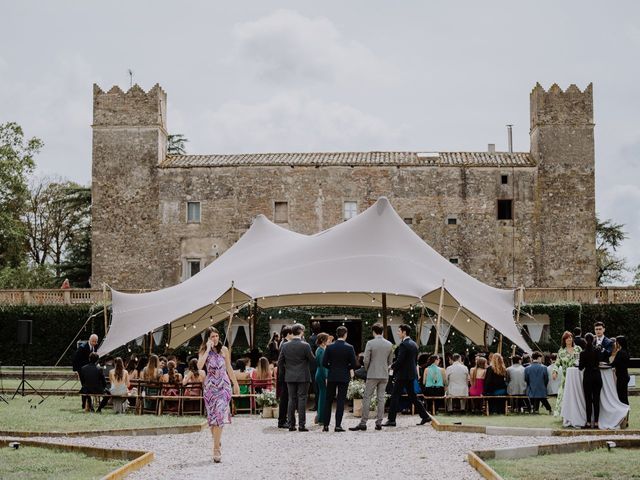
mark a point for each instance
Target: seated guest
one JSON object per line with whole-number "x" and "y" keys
{"x": 119, "y": 378}
{"x": 136, "y": 374}
{"x": 476, "y": 377}
{"x": 516, "y": 384}
{"x": 423, "y": 359}
{"x": 262, "y": 376}
{"x": 151, "y": 373}
{"x": 526, "y": 360}
{"x": 244, "y": 382}
{"x": 193, "y": 375}
{"x": 173, "y": 378}
{"x": 81, "y": 357}
{"x": 457, "y": 381}
{"x": 495, "y": 382}
{"x": 108, "y": 366}
{"x": 93, "y": 382}
{"x": 591, "y": 381}
{"x": 360, "y": 372}
{"x": 555, "y": 375}
{"x": 162, "y": 364}
{"x": 434, "y": 380}
{"x": 131, "y": 365}
{"x": 537, "y": 378}
{"x": 602, "y": 344}
{"x": 620, "y": 361}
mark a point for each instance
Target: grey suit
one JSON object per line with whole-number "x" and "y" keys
{"x": 295, "y": 357}
{"x": 378, "y": 355}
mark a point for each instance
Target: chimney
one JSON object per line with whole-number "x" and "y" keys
{"x": 510, "y": 137}
{"x": 491, "y": 148}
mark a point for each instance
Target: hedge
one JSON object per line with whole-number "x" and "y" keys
{"x": 54, "y": 327}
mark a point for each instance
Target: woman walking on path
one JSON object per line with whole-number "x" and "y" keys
{"x": 215, "y": 359}
{"x": 568, "y": 356}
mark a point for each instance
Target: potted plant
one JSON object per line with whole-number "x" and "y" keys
{"x": 355, "y": 392}
{"x": 267, "y": 400}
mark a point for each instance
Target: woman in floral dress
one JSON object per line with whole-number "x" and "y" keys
{"x": 568, "y": 356}
{"x": 215, "y": 359}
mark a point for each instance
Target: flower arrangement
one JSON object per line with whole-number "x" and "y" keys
{"x": 355, "y": 390}
{"x": 267, "y": 398}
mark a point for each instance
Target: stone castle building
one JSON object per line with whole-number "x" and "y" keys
{"x": 509, "y": 219}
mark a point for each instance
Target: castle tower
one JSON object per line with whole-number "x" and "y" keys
{"x": 562, "y": 143}
{"x": 129, "y": 140}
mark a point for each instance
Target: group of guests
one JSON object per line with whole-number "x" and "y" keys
{"x": 335, "y": 365}
{"x": 589, "y": 354}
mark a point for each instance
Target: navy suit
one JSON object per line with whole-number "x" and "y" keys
{"x": 537, "y": 377}
{"x": 405, "y": 372}
{"x": 606, "y": 348}
{"x": 339, "y": 358}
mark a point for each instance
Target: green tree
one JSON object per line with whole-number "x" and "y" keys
{"x": 29, "y": 276}
{"x": 16, "y": 163}
{"x": 636, "y": 277}
{"x": 611, "y": 267}
{"x": 175, "y": 144}
{"x": 77, "y": 263}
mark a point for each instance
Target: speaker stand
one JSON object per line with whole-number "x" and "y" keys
{"x": 24, "y": 381}
{"x": 2, "y": 387}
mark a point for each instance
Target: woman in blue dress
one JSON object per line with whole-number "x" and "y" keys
{"x": 321, "y": 376}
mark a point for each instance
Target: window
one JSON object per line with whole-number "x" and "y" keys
{"x": 504, "y": 179}
{"x": 408, "y": 221}
{"x": 281, "y": 212}
{"x": 193, "y": 212}
{"x": 193, "y": 267}
{"x": 452, "y": 220}
{"x": 350, "y": 210}
{"x": 505, "y": 209}
{"x": 454, "y": 260}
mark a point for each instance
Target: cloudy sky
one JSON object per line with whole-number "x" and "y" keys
{"x": 257, "y": 76}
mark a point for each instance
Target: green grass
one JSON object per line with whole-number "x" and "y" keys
{"x": 37, "y": 463}
{"x": 616, "y": 464}
{"x": 12, "y": 384}
{"x": 58, "y": 414}
{"x": 541, "y": 420}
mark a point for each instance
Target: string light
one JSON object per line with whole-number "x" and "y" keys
{"x": 185, "y": 327}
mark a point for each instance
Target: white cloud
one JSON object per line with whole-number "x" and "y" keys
{"x": 287, "y": 47}
{"x": 295, "y": 122}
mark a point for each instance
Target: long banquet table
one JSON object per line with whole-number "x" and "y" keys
{"x": 573, "y": 412}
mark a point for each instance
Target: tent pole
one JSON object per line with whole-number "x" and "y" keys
{"x": 500, "y": 345}
{"x": 227, "y": 337}
{"x": 104, "y": 301}
{"x": 435, "y": 351}
{"x": 384, "y": 314}
{"x": 420, "y": 327}
{"x": 150, "y": 342}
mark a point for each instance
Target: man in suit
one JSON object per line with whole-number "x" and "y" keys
{"x": 537, "y": 377}
{"x": 516, "y": 383}
{"x": 81, "y": 358}
{"x": 340, "y": 360}
{"x": 378, "y": 355}
{"x": 604, "y": 345}
{"x": 93, "y": 382}
{"x": 578, "y": 339}
{"x": 295, "y": 356}
{"x": 283, "y": 407}
{"x": 405, "y": 371}
{"x": 457, "y": 381}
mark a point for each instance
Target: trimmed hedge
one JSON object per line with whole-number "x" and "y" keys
{"x": 54, "y": 327}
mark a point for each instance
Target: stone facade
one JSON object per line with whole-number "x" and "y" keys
{"x": 142, "y": 239}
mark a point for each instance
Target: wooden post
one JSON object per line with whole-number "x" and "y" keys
{"x": 384, "y": 314}
{"x": 150, "y": 342}
{"x": 104, "y": 300}
{"x": 500, "y": 345}
{"x": 420, "y": 327}
{"x": 227, "y": 337}
{"x": 435, "y": 352}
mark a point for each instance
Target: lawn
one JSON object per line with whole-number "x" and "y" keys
{"x": 541, "y": 420}
{"x": 615, "y": 464}
{"x": 59, "y": 414}
{"x": 12, "y": 383}
{"x": 36, "y": 463}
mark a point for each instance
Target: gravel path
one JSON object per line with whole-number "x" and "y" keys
{"x": 253, "y": 448}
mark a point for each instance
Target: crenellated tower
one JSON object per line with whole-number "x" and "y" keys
{"x": 129, "y": 141}
{"x": 562, "y": 143}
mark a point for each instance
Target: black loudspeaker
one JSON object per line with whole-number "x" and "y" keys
{"x": 24, "y": 332}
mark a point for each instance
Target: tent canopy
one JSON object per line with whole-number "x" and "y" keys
{"x": 350, "y": 264}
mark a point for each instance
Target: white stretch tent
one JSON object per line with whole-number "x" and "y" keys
{"x": 350, "y": 264}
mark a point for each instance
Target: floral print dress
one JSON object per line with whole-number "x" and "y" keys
{"x": 564, "y": 361}
{"x": 217, "y": 390}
